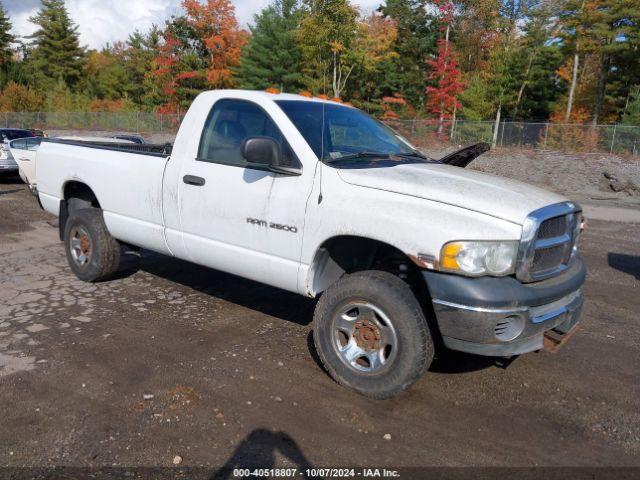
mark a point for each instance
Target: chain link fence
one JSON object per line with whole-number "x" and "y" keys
{"x": 130, "y": 122}
{"x": 621, "y": 139}
{"x": 589, "y": 138}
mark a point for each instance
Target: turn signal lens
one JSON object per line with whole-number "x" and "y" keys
{"x": 449, "y": 256}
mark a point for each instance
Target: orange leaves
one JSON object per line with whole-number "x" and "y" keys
{"x": 393, "y": 106}
{"x": 578, "y": 115}
{"x": 169, "y": 108}
{"x": 397, "y": 99}
{"x": 216, "y": 26}
{"x": 443, "y": 98}
{"x": 564, "y": 72}
{"x": 379, "y": 35}
{"x": 575, "y": 135}
{"x": 201, "y": 56}
{"x": 187, "y": 75}
{"x": 20, "y": 98}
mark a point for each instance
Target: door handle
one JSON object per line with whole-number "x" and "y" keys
{"x": 22, "y": 159}
{"x": 193, "y": 180}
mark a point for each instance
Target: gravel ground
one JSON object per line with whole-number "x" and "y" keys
{"x": 578, "y": 175}
{"x": 171, "y": 359}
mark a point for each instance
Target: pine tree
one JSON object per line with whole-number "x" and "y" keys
{"x": 6, "y": 38}
{"x": 417, "y": 34}
{"x": 138, "y": 55}
{"x": 57, "y": 53}
{"x": 632, "y": 111}
{"x": 273, "y": 57}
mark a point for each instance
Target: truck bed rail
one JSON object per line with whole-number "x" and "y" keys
{"x": 156, "y": 150}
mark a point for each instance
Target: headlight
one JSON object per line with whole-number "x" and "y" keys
{"x": 479, "y": 258}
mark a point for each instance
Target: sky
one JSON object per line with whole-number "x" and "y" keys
{"x": 106, "y": 21}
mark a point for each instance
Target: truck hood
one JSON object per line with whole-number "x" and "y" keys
{"x": 472, "y": 190}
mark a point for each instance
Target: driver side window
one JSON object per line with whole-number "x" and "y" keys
{"x": 229, "y": 124}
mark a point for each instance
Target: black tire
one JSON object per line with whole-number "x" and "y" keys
{"x": 103, "y": 253}
{"x": 391, "y": 296}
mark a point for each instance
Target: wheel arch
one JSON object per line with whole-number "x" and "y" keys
{"x": 344, "y": 254}
{"x": 75, "y": 194}
{"x": 80, "y": 190}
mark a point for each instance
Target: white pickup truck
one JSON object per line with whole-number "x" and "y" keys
{"x": 406, "y": 254}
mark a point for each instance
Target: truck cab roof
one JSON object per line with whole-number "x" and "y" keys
{"x": 260, "y": 94}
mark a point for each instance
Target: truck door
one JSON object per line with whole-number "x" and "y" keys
{"x": 238, "y": 217}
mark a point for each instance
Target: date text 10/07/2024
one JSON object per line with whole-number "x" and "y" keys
{"x": 316, "y": 473}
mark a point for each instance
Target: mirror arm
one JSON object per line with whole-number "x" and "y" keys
{"x": 286, "y": 170}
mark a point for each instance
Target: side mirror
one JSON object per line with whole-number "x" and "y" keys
{"x": 261, "y": 151}
{"x": 265, "y": 151}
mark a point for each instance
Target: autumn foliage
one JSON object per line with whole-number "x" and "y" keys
{"x": 569, "y": 60}
{"x": 442, "y": 96}
{"x": 106, "y": 105}
{"x": 216, "y": 25}
{"x": 442, "y": 99}
{"x": 200, "y": 54}
{"x": 393, "y": 106}
{"x": 20, "y": 98}
{"x": 577, "y": 135}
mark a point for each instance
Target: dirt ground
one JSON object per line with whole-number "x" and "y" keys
{"x": 172, "y": 359}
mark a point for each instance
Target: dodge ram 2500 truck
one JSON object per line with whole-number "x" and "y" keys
{"x": 406, "y": 254}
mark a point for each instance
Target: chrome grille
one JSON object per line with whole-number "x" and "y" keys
{"x": 548, "y": 239}
{"x": 553, "y": 227}
{"x": 548, "y": 258}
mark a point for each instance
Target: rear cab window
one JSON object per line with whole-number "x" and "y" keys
{"x": 30, "y": 144}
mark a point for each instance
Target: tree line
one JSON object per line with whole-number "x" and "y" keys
{"x": 572, "y": 61}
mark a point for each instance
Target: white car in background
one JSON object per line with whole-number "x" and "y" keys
{"x": 23, "y": 152}
{"x": 7, "y": 162}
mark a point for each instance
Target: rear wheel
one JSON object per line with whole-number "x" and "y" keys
{"x": 93, "y": 254}
{"x": 371, "y": 334}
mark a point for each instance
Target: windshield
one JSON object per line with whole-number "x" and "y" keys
{"x": 340, "y": 134}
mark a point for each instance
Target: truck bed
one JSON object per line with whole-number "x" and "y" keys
{"x": 157, "y": 150}
{"x": 125, "y": 177}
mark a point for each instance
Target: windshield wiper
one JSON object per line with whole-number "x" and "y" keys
{"x": 355, "y": 156}
{"x": 412, "y": 155}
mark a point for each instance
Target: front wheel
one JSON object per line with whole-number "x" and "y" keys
{"x": 371, "y": 334}
{"x": 93, "y": 254}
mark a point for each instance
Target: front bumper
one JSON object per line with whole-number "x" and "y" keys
{"x": 502, "y": 316}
